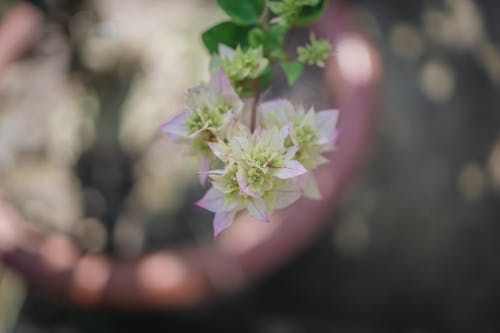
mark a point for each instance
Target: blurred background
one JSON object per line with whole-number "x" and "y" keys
{"x": 413, "y": 246}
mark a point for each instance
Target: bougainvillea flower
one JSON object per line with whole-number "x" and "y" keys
{"x": 312, "y": 133}
{"x": 258, "y": 177}
{"x": 210, "y": 108}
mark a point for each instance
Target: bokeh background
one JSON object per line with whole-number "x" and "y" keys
{"x": 413, "y": 246}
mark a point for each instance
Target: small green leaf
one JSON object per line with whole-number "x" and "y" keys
{"x": 293, "y": 70}
{"x": 275, "y": 36}
{"x": 243, "y": 12}
{"x": 309, "y": 14}
{"x": 256, "y": 37}
{"x": 226, "y": 33}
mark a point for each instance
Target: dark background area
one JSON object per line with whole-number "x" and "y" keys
{"x": 415, "y": 244}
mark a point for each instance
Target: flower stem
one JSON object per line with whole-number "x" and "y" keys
{"x": 256, "y": 98}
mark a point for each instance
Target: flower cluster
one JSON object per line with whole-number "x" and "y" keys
{"x": 269, "y": 167}
{"x": 262, "y": 171}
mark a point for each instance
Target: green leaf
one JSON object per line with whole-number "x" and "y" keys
{"x": 226, "y": 33}
{"x": 309, "y": 14}
{"x": 293, "y": 70}
{"x": 243, "y": 12}
{"x": 256, "y": 37}
{"x": 275, "y": 36}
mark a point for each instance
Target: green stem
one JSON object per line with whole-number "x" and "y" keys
{"x": 264, "y": 16}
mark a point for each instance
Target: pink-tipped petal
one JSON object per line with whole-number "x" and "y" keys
{"x": 215, "y": 201}
{"x": 257, "y": 210}
{"x": 222, "y": 221}
{"x": 175, "y": 128}
{"x": 221, "y": 84}
{"x": 291, "y": 169}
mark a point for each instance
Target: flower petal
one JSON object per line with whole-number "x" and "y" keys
{"x": 309, "y": 118}
{"x": 291, "y": 152}
{"x": 219, "y": 149}
{"x": 244, "y": 186}
{"x": 276, "y": 113}
{"x": 175, "y": 128}
{"x": 222, "y": 220}
{"x": 276, "y": 140}
{"x": 287, "y": 194}
{"x": 326, "y": 121}
{"x": 215, "y": 201}
{"x": 291, "y": 169}
{"x": 311, "y": 189}
{"x": 257, "y": 210}
{"x": 219, "y": 83}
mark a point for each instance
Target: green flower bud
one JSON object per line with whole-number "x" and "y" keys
{"x": 241, "y": 65}
{"x": 315, "y": 52}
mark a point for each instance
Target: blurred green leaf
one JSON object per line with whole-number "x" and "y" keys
{"x": 243, "y": 12}
{"x": 227, "y": 33}
{"x": 293, "y": 70}
{"x": 309, "y": 14}
{"x": 275, "y": 36}
{"x": 256, "y": 37}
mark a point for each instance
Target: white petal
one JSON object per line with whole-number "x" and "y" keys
{"x": 311, "y": 189}
{"x": 309, "y": 118}
{"x": 219, "y": 150}
{"x": 291, "y": 152}
{"x": 276, "y": 113}
{"x": 257, "y": 210}
{"x": 222, "y": 221}
{"x": 287, "y": 194}
{"x": 215, "y": 201}
{"x": 219, "y": 83}
{"x": 175, "y": 128}
{"x": 326, "y": 121}
{"x": 291, "y": 169}
{"x": 276, "y": 140}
